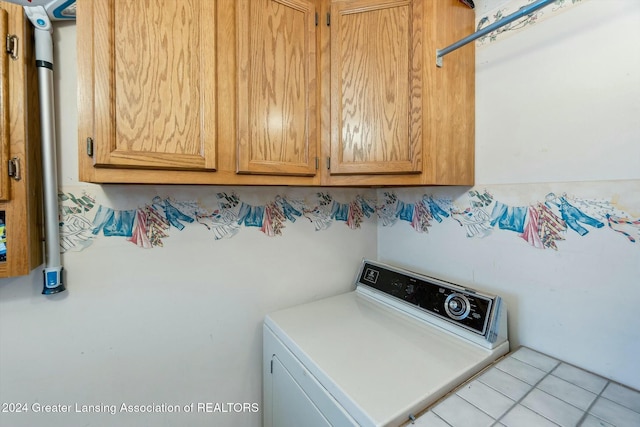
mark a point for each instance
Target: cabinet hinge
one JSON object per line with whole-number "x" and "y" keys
{"x": 328, "y": 162}
{"x": 90, "y": 147}
{"x": 13, "y": 169}
{"x": 11, "y": 46}
{"x": 328, "y": 19}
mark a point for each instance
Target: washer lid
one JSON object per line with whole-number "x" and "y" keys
{"x": 380, "y": 364}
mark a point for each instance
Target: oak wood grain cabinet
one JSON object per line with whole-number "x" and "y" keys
{"x": 394, "y": 117}
{"x": 154, "y": 84}
{"x": 158, "y": 97}
{"x": 21, "y": 220}
{"x": 376, "y": 87}
{"x": 277, "y": 87}
{"x": 275, "y": 92}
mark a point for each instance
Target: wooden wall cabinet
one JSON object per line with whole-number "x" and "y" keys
{"x": 275, "y": 92}
{"x": 376, "y": 87}
{"x": 395, "y": 118}
{"x": 21, "y": 217}
{"x": 154, "y": 84}
{"x": 277, "y": 87}
{"x": 158, "y": 88}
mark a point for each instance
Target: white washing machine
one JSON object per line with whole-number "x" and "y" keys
{"x": 379, "y": 355}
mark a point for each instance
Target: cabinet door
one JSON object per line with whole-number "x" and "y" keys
{"x": 376, "y": 87}
{"x": 4, "y": 112}
{"x": 154, "y": 65}
{"x": 277, "y": 87}
{"x": 21, "y": 248}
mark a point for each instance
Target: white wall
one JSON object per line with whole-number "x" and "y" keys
{"x": 558, "y": 108}
{"x": 558, "y": 101}
{"x": 174, "y": 325}
{"x": 181, "y": 324}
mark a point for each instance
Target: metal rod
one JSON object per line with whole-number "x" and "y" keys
{"x": 53, "y": 282}
{"x": 523, "y": 11}
{"x": 52, "y": 274}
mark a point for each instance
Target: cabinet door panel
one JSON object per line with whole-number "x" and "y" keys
{"x": 277, "y": 87}
{"x": 376, "y": 87}
{"x": 4, "y": 112}
{"x": 155, "y": 84}
{"x": 21, "y": 238}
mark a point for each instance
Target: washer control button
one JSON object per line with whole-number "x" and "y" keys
{"x": 457, "y": 306}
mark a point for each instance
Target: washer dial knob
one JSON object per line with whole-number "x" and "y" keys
{"x": 457, "y": 306}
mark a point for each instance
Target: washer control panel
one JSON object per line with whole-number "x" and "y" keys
{"x": 462, "y": 306}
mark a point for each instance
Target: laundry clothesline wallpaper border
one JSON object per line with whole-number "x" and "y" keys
{"x": 543, "y": 224}
{"x": 497, "y": 14}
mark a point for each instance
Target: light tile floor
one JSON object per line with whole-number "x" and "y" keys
{"x": 531, "y": 389}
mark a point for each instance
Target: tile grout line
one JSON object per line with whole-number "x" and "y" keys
{"x": 609, "y": 382}
{"x": 507, "y": 373}
{"x": 533, "y": 387}
{"x": 475, "y": 377}
{"x": 479, "y": 409}
{"x": 495, "y": 366}
{"x": 558, "y": 364}
{"x": 586, "y": 412}
{"x": 441, "y": 419}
